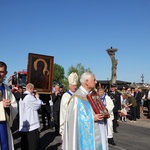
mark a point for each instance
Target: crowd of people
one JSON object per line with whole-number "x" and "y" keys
{"x": 73, "y": 116}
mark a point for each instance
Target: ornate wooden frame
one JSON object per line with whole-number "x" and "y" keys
{"x": 40, "y": 72}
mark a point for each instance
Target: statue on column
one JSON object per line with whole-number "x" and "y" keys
{"x": 111, "y": 52}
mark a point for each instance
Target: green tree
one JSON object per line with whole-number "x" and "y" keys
{"x": 58, "y": 73}
{"x": 79, "y": 69}
{"x": 60, "y": 78}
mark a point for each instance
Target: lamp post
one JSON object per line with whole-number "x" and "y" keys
{"x": 142, "y": 77}
{"x": 111, "y": 52}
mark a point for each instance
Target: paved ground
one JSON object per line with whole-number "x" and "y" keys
{"x": 51, "y": 142}
{"x": 143, "y": 121}
{"x": 48, "y": 139}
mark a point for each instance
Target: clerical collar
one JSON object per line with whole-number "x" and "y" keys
{"x": 84, "y": 90}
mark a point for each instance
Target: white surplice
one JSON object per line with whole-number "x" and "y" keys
{"x": 63, "y": 110}
{"x": 13, "y": 112}
{"x": 109, "y": 125}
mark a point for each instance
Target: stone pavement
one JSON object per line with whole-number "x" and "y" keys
{"x": 48, "y": 139}
{"x": 51, "y": 142}
{"x": 143, "y": 121}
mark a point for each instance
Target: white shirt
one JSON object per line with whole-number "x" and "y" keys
{"x": 148, "y": 94}
{"x": 29, "y": 119}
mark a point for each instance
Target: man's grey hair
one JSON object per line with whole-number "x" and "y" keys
{"x": 85, "y": 76}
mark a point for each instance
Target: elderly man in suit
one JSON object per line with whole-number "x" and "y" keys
{"x": 148, "y": 99}
{"x": 138, "y": 97}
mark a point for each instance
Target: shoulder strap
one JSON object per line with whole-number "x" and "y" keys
{"x": 74, "y": 95}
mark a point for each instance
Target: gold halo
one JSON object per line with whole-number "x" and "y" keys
{"x": 45, "y": 65}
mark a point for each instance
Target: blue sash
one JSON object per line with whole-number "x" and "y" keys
{"x": 3, "y": 127}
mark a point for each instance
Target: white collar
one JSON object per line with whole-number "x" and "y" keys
{"x": 71, "y": 92}
{"x": 27, "y": 92}
{"x": 84, "y": 90}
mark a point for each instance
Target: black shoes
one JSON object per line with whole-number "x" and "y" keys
{"x": 57, "y": 134}
{"x": 115, "y": 131}
{"x": 148, "y": 117}
{"x": 111, "y": 141}
{"x": 43, "y": 129}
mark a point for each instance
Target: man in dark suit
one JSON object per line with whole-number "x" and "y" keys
{"x": 45, "y": 111}
{"x": 18, "y": 94}
{"x": 148, "y": 99}
{"x": 56, "y": 98}
{"x": 138, "y": 97}
{"x": 116, "y": 97}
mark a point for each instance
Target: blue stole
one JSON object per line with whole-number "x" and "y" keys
{"x": 69, "y": 92}
{"x": 3, "y": 127}
{"x": 2, "y": 89}
{"x": 103, "y": 99}
{"x": 85, "y": 126}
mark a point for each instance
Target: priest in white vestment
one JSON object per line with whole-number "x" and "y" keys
{"x": 72, "y": 80}
{"x": 109, "y": 105}
{"x": 8, "y": 111}
{"x": 82, "y": 130}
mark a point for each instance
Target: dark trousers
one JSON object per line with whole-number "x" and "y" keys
{"x": 133, "y": 113}
{"x": 138, "y": 110}
{"x": 15, "y": 125}
{"x": 30, "y": 140}
{"x": 45, "y": 113}
{"x": 56, "y": 121}
{"x": 148, "y": 107}
{"x": 115, "y": 122}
